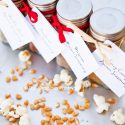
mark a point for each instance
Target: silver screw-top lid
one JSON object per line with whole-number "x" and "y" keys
{"x": 76, "y": 11}
{"x": 107, "y": 23}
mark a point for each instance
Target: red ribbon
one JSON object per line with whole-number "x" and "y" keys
{"x": 60, "y": 29}
{"x": 32, "y": 15}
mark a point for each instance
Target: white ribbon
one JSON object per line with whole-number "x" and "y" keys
{"x": 100, "y": 46}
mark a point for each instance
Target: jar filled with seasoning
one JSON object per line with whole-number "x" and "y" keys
{"x": 76, "y": 11}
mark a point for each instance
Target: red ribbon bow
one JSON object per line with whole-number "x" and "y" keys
{"x": 60, "y": 29}
{"x": 32, "y": 15}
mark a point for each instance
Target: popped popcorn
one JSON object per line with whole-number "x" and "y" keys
{"x": 79, "y": 88}
{"x": 24, "y": 56}
{"x": 66, "y": 78}
{"x": 5, "y": 105}
{"x": 101, "y": 103}
{"x": 118, "y": 117}
{"x": 57, "y": 79}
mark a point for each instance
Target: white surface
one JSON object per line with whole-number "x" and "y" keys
{"x": 107, "y": 21}
{"x": 74, "y": 9}
{"x": 89, "y": 117}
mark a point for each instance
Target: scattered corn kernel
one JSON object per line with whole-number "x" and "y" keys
{"x": 18, "y": 97}
{"x": 14, "y": 78}
{"x": 26, "y": 103}
{"x": 8, "y": 95}
{"x": 33, "y": 71}
{"x": 8, "y": 79}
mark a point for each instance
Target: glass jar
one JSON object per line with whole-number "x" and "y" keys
{"x": 107, "y": 24}
{"x": 77, "y": 12}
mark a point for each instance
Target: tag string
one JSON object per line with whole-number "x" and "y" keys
{"x": 32, "y": 15}
{"x": 99, "y": 46}
{"x": 60, "y": 28}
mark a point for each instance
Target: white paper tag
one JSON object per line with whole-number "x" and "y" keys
{"x": 114, "y": 75}
{"x": 78, "y": 56}
{"x": 13, "y": 26}
{"x": 49, "y": 45}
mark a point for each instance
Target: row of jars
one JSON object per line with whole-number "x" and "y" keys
{"x": 103, "y": 24}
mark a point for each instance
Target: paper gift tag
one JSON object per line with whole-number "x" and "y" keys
{"x": 49, "y": 45}
{"x": 13, "y": 26}
{"x": 78, "y": 56}
{"x": 114, "y": 74}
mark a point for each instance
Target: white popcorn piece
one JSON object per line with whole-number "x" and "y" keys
{"x": 79, "y": 87}
{"x": 13, "y": 114}
{"x": 101, "y": 104}
{"x": 21, "y": 110}
{"x": 118, "y": 117}
{"x": 66, "y": 78}
{"x": 63, "y": 74}
{"x": 56, "y": 79}
{"x": 24, "y": 56}
{"x": 5, "y": 106}
{"x": 64, "y": 71}
{"x": 24, "y": 120}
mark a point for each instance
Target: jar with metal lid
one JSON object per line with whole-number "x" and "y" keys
{"x": 76, "y": 11}
{"x": 107, "y": 24}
